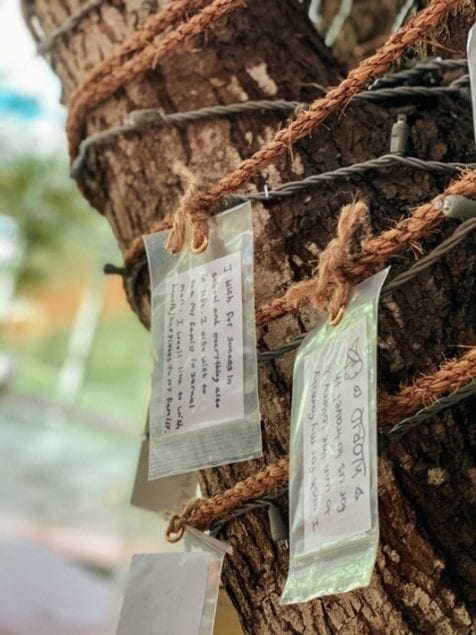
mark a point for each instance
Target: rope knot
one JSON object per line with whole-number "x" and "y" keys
{"x": 335, "y": 279}
{"x": 192, "y": 208}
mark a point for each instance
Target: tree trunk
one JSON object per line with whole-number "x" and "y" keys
{"x": 425, "y": 576}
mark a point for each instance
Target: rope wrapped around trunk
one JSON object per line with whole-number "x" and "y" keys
{"x": 202, "y": 513}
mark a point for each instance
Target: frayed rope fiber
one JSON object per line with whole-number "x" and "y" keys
{"x": 139, "y": 54}
{"x": 450, "y": 377}
{"x": 202, "y": 513}
{"x": 197, "y": 207}
{"x": 332, "y": 287}
{"x": 339, "y": 270}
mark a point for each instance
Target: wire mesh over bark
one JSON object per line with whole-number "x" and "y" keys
{"x": 424, "y": 579}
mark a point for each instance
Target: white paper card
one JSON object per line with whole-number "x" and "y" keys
{"x": 165, "y": 594}
{"x": 202, "y": 366}
{"x": 336, "y": 447}
{"x": 472, "y": 70}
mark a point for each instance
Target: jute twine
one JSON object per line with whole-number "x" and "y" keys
{"x": 341, "y": 269}
{"x": 202, "y": 513}
{"x": 139, "y": 54}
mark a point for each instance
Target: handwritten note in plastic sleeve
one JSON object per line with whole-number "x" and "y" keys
{"x": 333, "y": 499}
{"x": 336, "y": 450}
{"x": 203, "y": 346}
{"x": 204, "y": 407}
{"x": 472, "y": 70}
{"x": 165, "y": 594}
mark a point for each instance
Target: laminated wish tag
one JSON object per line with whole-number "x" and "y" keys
{"x": 204, "y": 408}
{"x": 333, "y": 505}
{"x": 472, "y": 70}
{"x": 163, "y": 495}
{"x": 174, "y": 593}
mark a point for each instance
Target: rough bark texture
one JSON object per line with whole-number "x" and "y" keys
{"x": 425, "y": 576}
{"x": 371, "y": 21}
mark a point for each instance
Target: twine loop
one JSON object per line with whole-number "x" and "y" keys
{"x": 331, "y": 288}
{"x": 197, "y": 219}
{"x": 194, "y": 513}
{"x": 175, "y": 529}
{"x": 190, "y": 516}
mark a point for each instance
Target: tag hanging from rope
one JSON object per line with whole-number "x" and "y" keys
{"x": 164, "y": 495}
{"x": 174, "y": 592}
{"x": 204, "y": 408}
{"x": 333, "y": 453}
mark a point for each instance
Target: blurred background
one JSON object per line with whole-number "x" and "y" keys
{"x": 74, "y": 376}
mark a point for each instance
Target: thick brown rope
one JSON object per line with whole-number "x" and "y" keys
{"x": 86, "y": 95}
{"x": 450, "y": 377}
{"x": 202, "y": 513}
{"x": 375, "y": 253}
{"x": 114, "y": 73}
{"x": 197, "y": 207}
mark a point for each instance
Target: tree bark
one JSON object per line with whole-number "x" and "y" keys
{"x": 425, "y": 575}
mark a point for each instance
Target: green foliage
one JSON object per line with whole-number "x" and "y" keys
{"x": 66, "y": 244}
{"x": 39, "y": 194}
{"x": 117, "y": 378}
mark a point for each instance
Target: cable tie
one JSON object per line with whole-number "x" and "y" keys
{"x": 399, "y": 136}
